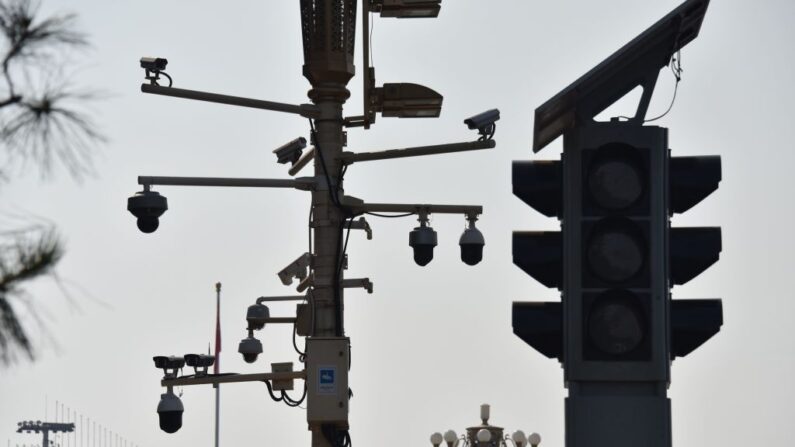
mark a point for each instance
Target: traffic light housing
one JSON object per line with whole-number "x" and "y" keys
{"x": 616, "y": 329}
{"x": 615, "y": 190}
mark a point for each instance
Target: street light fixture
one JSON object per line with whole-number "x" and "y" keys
{"x": 486, "y": 435}
{"x": 405, "y": 100}
{"x": 406, "y": 9}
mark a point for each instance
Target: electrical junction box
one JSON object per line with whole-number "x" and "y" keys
{"x": 327, "y": 363}
{"x": 286, "y": 384}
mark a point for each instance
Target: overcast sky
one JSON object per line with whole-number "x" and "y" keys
{"x": 433, "y": 343}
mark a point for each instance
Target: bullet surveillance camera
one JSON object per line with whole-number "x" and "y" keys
{"x": 296, "y": 269}
{"x": 147, "y": 206}
{"x": 472, "y": 243}
{"x": 423, "y": 240}
{"x": 256, "y": 316}
{"x": 169, "y": 411}
{"x": 291, "y": 151}
{"x": 250, "y": 347}
{"x": 484, "y": 122}
{"x": 168, "y": 362}
{"x": 199, "y": 360}
{"x": 154, "y": 63}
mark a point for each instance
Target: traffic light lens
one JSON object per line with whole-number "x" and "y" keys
{"x": 615, "y": 254}
{"x": 615, "y": 324}
{"x": 615, "y": 181}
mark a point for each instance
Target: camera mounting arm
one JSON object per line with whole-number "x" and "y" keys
{"x": 305, "y": 110}
{"x": 350, "y": 157}
{"x": 302, "y": 183}
{"x": 232, "y": 378}
{"x": 358, "y": 206}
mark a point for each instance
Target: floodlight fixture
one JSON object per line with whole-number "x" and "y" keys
{"x": 637, "y": 63}
{"x": 405, "y": 100}
{"x": 406, "y": 9}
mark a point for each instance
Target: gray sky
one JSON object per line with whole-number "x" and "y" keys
{"x": 433, "y": 343}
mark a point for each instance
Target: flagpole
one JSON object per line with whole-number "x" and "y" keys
{"x": 217, "y": 356}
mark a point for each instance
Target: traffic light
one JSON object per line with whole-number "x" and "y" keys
{"x": 617, "y": 256}
{"x": 616, "y": 329}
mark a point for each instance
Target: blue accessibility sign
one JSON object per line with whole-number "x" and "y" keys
{"x": 327, "y": 380}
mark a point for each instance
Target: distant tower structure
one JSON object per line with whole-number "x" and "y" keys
{"x": 45, "y": 428}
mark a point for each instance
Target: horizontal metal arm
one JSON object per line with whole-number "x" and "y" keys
{"x": 303, "y": 183}
{"x": 358, "y": 206}
{"x": 266, "y": 299}
{"x": 282, "y": 320}
{"x": 233, "y": 378}
{"x": 305, "y": 110}
{"x": 350, "y": 157}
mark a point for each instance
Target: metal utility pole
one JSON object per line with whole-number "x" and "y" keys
{"x": 217, "y": 366}
{"x": 45, "y": 428}
{"x": 617, "y": 330}
{"x": 329, "y": 35}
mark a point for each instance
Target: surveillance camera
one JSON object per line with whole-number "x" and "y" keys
{"x": 199, "y": 360}
{"x": 296, "y": 269}
{"x": 250, "y": 347}
{"x": 147, "y": 206}
{"x": 291, "y": 151}
{"x": 154, "y": 63}
{"x": 422, "y": 240}
{"x": 472, "y": 243}
{"x": 256, "y": 316}
{"x": 170, "y": 362}
{"x": 169, "y": 411}
{"x": 484, "y": 122}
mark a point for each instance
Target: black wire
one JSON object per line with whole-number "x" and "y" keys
{"x": 332, "y": 191}
{"x": 294, "y": 403}
{"x": 676, "y": 69}
{"x": 270, "y": 391}
{"x": 335, "y": 436}
{"x": 391, "y": 216}
{"x": 487, "y": 133}
{"x": 170, "y": 81}
{"x": 309, "y": 225}
{"x": 301, "y": 355}
{"x": 345, "y": 246}
{"x": 670, "y": 106}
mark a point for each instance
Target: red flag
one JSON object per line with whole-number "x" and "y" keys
{"x": 218, "y": 328}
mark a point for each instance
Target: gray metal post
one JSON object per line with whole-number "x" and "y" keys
{"x": 329, "y": 30}
{"x": 327, "y": 221}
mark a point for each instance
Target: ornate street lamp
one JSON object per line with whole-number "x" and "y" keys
{"x": 485, "y": 435}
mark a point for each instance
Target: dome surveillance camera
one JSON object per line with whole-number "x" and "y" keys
{"x": 256, "y": 316}
{"x": 250, "y": 348}
{"x": 472, "y": 243}
{"x": 147, "y": 206}
{"x": 169, "y": 411}
{"x": 423, "y": 240}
